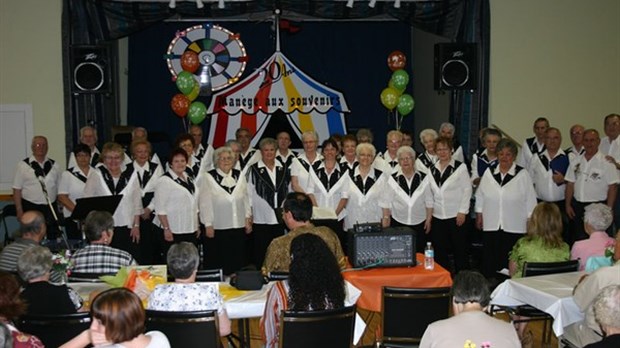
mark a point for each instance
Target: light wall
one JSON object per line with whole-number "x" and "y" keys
{"x": 554, "y": 58}
{"x": 31, "y": 65}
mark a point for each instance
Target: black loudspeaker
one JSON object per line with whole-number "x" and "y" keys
{"x": 90, "y": 69}
{"x": 456, "y": 66}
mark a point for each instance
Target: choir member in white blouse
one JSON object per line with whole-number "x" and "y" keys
{"x": 388, "y": 161}
{"x": 425, "y": 161}
{"x": 71, "y": 187}
{"x": 348, "y": 161}
{"x": 176, "y": 202}
{"x": 486, "y": 157}
{"x": 302, "y": 165}
{"x": 410, "y": 200}
{"x": 110, "y": 179}
{"x": 147, "y": 173}
{"x": 225, "y": 211}
{"x": 195, "y": 167}
{"x": 451, "y": 188}
{"x": 366, "y": 189}
{"x": 329, "y": 189}
{"x": 505, "y": 200}
{"x": 447, "y": 130}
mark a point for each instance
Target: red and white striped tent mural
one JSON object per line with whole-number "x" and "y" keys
{"x": 277, "y": 86}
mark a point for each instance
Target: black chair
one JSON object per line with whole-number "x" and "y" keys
{"x": 54, "y": 330}
{"x": 332, "y": 328}
{"x": 206, "y": 275}
{"x": 9, "y": 210}
{"x": 408, "y": 311}
{"x": 77, "y": 277}
{"x": 529, "y": 313}
{"x": 186, "y": 329}
{"x": 276, "y": 275}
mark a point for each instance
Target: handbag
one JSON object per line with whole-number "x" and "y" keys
{"x": 248, "y": 280}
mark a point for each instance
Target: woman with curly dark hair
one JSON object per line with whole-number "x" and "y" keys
{"x": 314, "y": 283}
{"x": 11, "y": 307}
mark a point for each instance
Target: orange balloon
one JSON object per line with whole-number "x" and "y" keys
{"x": 396, "y": 60}
{"x": 189, "y": 61}
{"x": 180, "y": 105}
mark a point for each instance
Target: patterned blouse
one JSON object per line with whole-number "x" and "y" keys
{"x": 178, "y": 297}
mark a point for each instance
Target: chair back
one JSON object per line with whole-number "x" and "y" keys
{"x": 186, "y": 329}
{"x": 77, "y": 277}
{"x": 56, "y": 329}
{"x": 406, "y": 312}
{"x": 531, "y": 269}
{"x": 8, "y": 210}
{"x": 332, "y": 328}
{"x": 206, "y": 275}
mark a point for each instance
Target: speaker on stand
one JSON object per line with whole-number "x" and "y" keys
{"x": 456, "y": 66}
{"x": 90, "y": 69}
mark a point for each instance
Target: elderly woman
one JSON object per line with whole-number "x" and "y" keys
{"x": 118, "y": 321}
{"x": 348, "y": 161}
{"x": 176, "y": 202}
{"x": 12, "y": 307}
{"x": 410, "y": 198}
{"x": 110, "y": 179}
{"x": 98, "y": 256}
{"x": 487, "y": 156}
{"x": 301, "y": 166}
{"x": 194, "y": 166}
{"x": 225, "y": 211}
{"x": 185, "y": 294}
{"x": 597, "y": 218}
{"x": 388, "y": 161}
{"x": 607, "y": 315}
{"x": 450, "y": 185}
{"x": 504, "y": 201}
{"x": 147, "y": 173}
{"x": 71, "y": 187}
{"x": 470, "y": 323}
{"x": 447, "y": 130}
{"x": 42, "y": 297}
{"x": 314, "y": 283}
{"x": 366, "y": 190}
{"x": 425, "y": 161}
{"x": 268, "y": 182}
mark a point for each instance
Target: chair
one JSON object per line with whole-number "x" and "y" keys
{"x": 9, "y": 210}
{"x": 77, "y": 277}
{"x": 332, "y": 328}
{"x": 206, "y": 275}
{"x": 408, "y": 311}
{"x": 54, "y": 330}
{"x": 531, "y": 269}
{"x": 186, "y": 329}
{"x": 275, "y": 275}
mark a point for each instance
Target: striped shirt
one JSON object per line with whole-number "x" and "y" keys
{"x": 10, "y": 254}
{"x": 99, "y": 258}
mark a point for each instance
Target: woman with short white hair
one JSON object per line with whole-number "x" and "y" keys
{"x": 607, "y": 315}
{"x": 427, "y": 159}
{"x": 597, "y": 218}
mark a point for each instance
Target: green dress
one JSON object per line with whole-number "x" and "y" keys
{"x": 535, "y": 250}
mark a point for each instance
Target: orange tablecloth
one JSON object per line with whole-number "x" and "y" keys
{"x": 370, "y": 281}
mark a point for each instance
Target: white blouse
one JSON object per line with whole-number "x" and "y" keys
{"x": 223, "y": 209}
{"x": 365, "y": 207}
{"x": 129, "y": 206}
{"x": 409, "y": 210}
{"x": 177, "y": 203}
{"x": 73, "y": 187}
{"x": 329, "y": 199}
{"x": 454, "y": 195}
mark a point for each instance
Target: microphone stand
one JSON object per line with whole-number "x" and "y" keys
{"x": 63, "y": 235}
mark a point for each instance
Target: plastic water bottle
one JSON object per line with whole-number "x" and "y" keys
{"x": 429, "y": 256}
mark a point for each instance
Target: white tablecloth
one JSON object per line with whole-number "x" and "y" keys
{"x": 552, "y": 294}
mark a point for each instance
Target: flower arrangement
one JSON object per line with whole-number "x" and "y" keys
{"x": 61, "y": 262}
{"x": 610, "y": 249}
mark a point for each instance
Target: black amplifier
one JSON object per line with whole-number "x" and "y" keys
{"x": 394, "y": 246}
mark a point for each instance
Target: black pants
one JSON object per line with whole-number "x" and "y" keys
{"x": 263, "y": 235}
{"x": 497, "y": 246}
{"x": 448, "y": 238}
{"x": 227, "y": 249}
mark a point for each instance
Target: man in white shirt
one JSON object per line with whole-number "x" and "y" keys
{"x": 247, "y": 155}
{"x": 35, "y": 185}
{"x": 201, "y": 152}
{"x": 576, "y": 138}
{"x": 88, "y": 136}
{"x": 589, "y": 179}
{"x": 283, "y": 153}
{"x": 388, "y": 161}
{"x": 534, "y": 145}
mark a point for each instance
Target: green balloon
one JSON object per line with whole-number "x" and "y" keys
{"x": 389, "y": 98}
{"x": 405, "y": 104}
{"x": 197, "y": 112}
{"x": 391, "y": 85}
{"x": 185, "y": 82}
{"x": 400, "y": 79}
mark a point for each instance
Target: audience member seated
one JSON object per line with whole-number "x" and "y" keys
{"x": 588, "y": 330}
{"x": 607, "y": 315}
{"x": 118, "y": 321}
{"x": 597, "y": 218}
{"x": 470, "y": 326}
{"x": 32, "y": 231}
{"x": 297, "y": 211}
{"x": 185, "y": 294}
{"x": 11, "y": 307}
{"x": 42, "y": 297}
{"x": 314, "y": 283}
{"x": 99, "y": 256}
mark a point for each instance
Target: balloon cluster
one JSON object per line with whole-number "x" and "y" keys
{"x": 183, "y": 104}
{"x": 393, "y": 96}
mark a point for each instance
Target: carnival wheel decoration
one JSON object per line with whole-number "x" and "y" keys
{"x": 221, "y": 54}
